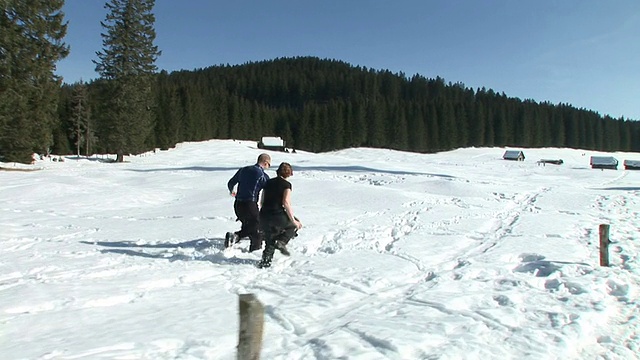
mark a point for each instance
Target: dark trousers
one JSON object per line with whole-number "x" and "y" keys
{"x": 275, "y": 227}
{"x": 247, "y": 213}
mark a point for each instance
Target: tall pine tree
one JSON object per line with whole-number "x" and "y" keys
{"x": 30, "y": 45}
{"x": 127, "y": 64}
{"x": 81, "y": 119}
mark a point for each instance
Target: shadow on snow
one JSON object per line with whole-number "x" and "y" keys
{"x": 623, "y": 188}
{"x": 357, "y": 169}
{"x": 200, "y": 247}
{"x": 188, "y": 168}
{"x": 350, "y": 169}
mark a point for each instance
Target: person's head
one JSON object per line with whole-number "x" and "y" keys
{"x": 264, "y": 160}
{"x": 284, "y": 170}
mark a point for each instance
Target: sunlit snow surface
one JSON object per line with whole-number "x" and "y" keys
{"x": 455, "y": 255}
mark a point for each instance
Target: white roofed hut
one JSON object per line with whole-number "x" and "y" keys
{"x": 604, "y": 162}
{"x": 632, "y": 164}
{"x": 516, "y": 155}
{"x": 274, "y": 143}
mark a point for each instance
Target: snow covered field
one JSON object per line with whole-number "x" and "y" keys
{"x": 456, "y": 255}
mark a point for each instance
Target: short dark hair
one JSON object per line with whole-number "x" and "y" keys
{"x": 284, "y": 170}
{"x": 264, "y": 158}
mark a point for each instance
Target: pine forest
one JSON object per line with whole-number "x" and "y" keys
{"x": 322, "y": 105}
{"x": 314, "y": 104}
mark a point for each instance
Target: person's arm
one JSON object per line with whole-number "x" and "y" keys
{"x": 260, "y": 199}
{"x": 233, "y": 181}
{"x": 262, "y": 182}
{"x": 286, "y": 203}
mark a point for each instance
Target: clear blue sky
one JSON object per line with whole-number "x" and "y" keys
{"x": 581, "y": 52}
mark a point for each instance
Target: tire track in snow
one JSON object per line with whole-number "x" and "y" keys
{"x": 501, "y": 224}
{"x": 356, "y": 234}
{"x": 478, "y": 316}
{"x": 338, "y": 319}
{"x": 497, "y": 228}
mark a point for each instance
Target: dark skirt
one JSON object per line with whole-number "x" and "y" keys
{"x": 277, "y": 226}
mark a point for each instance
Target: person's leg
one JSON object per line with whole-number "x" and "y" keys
{"x": 252, "y": 226}
{"x": 267, "y": 256}
{"x": 239, "y": 209}
{"x": 233, "y": 237}
{"x": 269, "y": 248}
{"x": 247, "y": 212}
{"x": 286, "y": 230}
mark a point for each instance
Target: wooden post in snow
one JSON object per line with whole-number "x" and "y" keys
{"x": 251, "y": 325}
{"x": 604, "y": 245}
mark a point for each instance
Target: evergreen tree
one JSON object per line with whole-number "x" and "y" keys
{"x": 501, "y": 127}
{"x": 478, "y": 126}
{"x": 399, "y": 128}
{"x": 416, "y": 129}
{"x": 432, "y": 123}
{"x": 237, "y": 122}
{"x": 598, "y": 134}
{"x": 625, "y": 135}
{"x": 320, "y": 105}
{"x": 447, "y": 125}
{"x": 30, "y": 45}
{"x": 359, "y": 126}
{"x": 335, "y": 131}
{"x": 81, "y": 119}
{"x": 571, "y": 129}
{"x": 375, "y": 123}
{"x": 489, "y": 134}
{"x": 303, "y": 134}
{"x": 127, "y": 62}
{"x": 462, "y": 124}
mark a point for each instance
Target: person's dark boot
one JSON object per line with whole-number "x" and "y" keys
{"x": 262, "y": 264}
{"x": 267, "y": 255}
{"x": 282, "y": 247}
{"x": 230, "y": 239}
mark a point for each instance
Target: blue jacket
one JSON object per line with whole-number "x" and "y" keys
{"x": 250, "y": 180}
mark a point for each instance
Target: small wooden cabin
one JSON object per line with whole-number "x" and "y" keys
{"x": 604, "y": 162}
{"x": 516, "y": 155}
{"x": 632, "y": 164}
{"x": 274, "y": 143}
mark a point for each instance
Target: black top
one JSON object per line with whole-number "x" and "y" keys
{"x": 272, "y": 195}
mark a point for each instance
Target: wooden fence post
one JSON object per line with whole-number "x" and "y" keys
{"x": 604, "y": 245}
{"x": 251, "y": 325}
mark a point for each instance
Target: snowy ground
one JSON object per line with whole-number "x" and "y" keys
{"x": 456, "y": 255}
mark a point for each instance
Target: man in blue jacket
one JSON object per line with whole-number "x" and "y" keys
{"x": 250, "y": 180}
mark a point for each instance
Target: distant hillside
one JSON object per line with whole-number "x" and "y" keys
{"x": 321, "y": 104}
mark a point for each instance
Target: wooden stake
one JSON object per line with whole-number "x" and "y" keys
{"x": 604, "y": 245}
{"x": 251, "y": 325}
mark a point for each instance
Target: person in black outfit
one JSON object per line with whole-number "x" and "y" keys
{"x": 277, "y": 221}
{"x": 250, "y": 180}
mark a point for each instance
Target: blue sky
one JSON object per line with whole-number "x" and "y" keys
{"x": 580, "y": 52}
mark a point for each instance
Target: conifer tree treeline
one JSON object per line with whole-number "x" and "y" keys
{"x": 321, "y": 105}
{"x": 127, "y": 68}
{"x": 30, "y": 44}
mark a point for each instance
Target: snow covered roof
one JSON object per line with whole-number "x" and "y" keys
{"x": 603, "y": 160}
{"x": 272, "y": 141}
{"x": 512, "y": 154}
